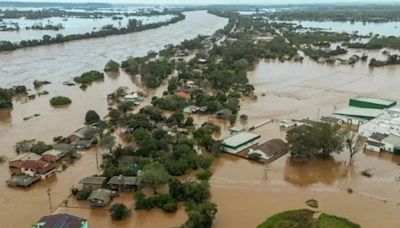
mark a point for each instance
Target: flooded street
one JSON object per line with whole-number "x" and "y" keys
{"x": 246, "y": 193}
{"x": 58, "y": 63}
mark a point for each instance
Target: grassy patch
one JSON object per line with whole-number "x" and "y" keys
{"x": 302, "y": 218}
{"x": 327, "y": 221}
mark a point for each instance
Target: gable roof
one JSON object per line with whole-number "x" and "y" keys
{"x": 378, "y": 136}
{"x": 26, "y": 156}
{"x": 123, "y": 180}
{"x": 93, "y": 180}
{"x": 239, "y": 139}
{"x": 100, "y": 194}
{"x": 61, "y": 221}
{"x": 39, "y": 166}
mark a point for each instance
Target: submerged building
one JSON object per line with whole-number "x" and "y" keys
{"x": 240, "y": 141}
{"x": 372, "y": 103}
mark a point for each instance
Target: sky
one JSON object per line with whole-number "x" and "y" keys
{"x": 216, "y": 1}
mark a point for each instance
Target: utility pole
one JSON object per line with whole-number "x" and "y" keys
{"x": 49, "y": 194}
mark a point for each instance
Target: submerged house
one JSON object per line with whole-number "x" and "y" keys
{"x": 53, "y": 155}
{"x": 123, "y": 183}
{"x": 93, "y": 183}
{"x": 373, "y": 103}
{"x": 61, "y": 221}
{"x": 37, "y": 168}
{"x": 272, "y": 149}
{"x": 22, "y": 181}
{"x": 238, "y": 142}
{"x": 17, "y": 161}
{"x": 392, "y": 144}
{"x": 100, "y": 197}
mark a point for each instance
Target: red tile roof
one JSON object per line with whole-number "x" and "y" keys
{"x": 39, "y": 166}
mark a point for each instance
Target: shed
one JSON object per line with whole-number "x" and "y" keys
{"x": 238, "y": 142}
{"x": 359, "y": 113}
{"x": 123, "y": 183}
{"x": 100, "y": 197}
{"x": 17, "y": 161}
{"x": 272, "y": 148}
{"x": 61, "y": 221}
{"x": 392, "y": 144}
{"x": 373, "y": 103}
{"x": 93, "y": 183}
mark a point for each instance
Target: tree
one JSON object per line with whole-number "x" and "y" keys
{"x": 107, "y": 142}
{"x": 155, "y": 175}
{"x": 319, "y": 140}
{"x": 60, "y": 101}
{"x": 92, "y": 117}
{"x": 354, "y": 144}
{"x": 111, "y": 66}
{"x": 200, "y": 215}
{"x": 119, "y": 211}
{"x": 243, "y": 120}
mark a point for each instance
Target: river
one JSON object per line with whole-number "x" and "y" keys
{"x": 245, "y": 192}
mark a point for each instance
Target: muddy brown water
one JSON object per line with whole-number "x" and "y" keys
{"x": 245, "y": 192}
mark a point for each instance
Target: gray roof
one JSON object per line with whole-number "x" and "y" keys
{"x": 22, "y": 180}
{"x": 240, "y": 138}
{"x": 100, "y": 194}
{"x": 123, "y": 180}
{"x": 330, "y": 119}
{"x": 392, "y": 139}
{"x": 364, "y": 112}
{"x": 26, "y": 156}
{"x": 53, "y": 152}
{"x": 378, "y": 136}
{"x": 93, "y": 180}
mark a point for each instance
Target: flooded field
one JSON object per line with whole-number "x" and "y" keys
{"x": 245, "y": 192}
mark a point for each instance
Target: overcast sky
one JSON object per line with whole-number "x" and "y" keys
{"x": 215, "y": 1}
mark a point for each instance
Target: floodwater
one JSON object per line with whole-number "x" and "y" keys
{"x": 383, "y": 29}
{"x": 246, "y": 193}
{"x": 58, "y": 63}
{"x": 71, "y": 25}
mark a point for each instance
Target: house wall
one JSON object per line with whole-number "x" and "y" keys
{"x": 388, "y": 147}
{"x": 372, "y": 148}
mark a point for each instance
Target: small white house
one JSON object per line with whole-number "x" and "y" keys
{"x": 392, "y": 143}
{"x": 286, "y": 123}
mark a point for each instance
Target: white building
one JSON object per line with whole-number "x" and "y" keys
{"x": 387, "y": 123}
{"x": 392, "y": 144}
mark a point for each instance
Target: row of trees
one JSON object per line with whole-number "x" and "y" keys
{"x": 105, "y": 31}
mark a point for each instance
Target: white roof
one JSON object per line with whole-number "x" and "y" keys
{"x": 53, "y": 152}
{"x": 355, "y": 111}
{"x": 375, "y": 100}
{"x": 239, "y": 138}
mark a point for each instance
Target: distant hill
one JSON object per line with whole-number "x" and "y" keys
{"x": 54, "y": 4}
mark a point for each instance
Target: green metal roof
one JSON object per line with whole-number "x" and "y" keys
{"x": 375, "y": 100}
{"x": 239, "y": 139}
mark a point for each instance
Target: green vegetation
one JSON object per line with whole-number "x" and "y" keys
{"x": 163, "y": 201}
{"x": 327, "y": 221}
{"x": 290, "y": 219}
{"x": 364, "y": 13}
{"x": 111, "y": 66}
{"x": 60, "y": 101}
{"x": 303, "y": 218}
{"x": 92, "y": 117}
{"x": 318, "y": 140}
{"x": 190, "y": 191}
{"x": 5, "y": 99}
{"x": 119, "y": 211}
{"x": 88, "y": 77}
{"x": 155, "y": 175}
{"x": 377, "y": 43}
{"x": 81, "y": 194}
{"x": 200, "y": 215}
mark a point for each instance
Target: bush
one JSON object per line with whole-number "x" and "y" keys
{"x": 60, "y": 100}
{"x": 112, "y": 66}
{"x": 92, "y": 117}
{"x": 163, "y": 201}
{"x": 89, "y": 77}
{"x": 119, "y": 211}
{"x": 204, "y": 175}
{"x": 83, "y": 194}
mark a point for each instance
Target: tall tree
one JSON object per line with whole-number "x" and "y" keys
{"x": 155, "y": 175}
{"x": 354, "y": 144}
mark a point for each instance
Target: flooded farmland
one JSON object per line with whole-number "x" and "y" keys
{"x": 245, "y": 189}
